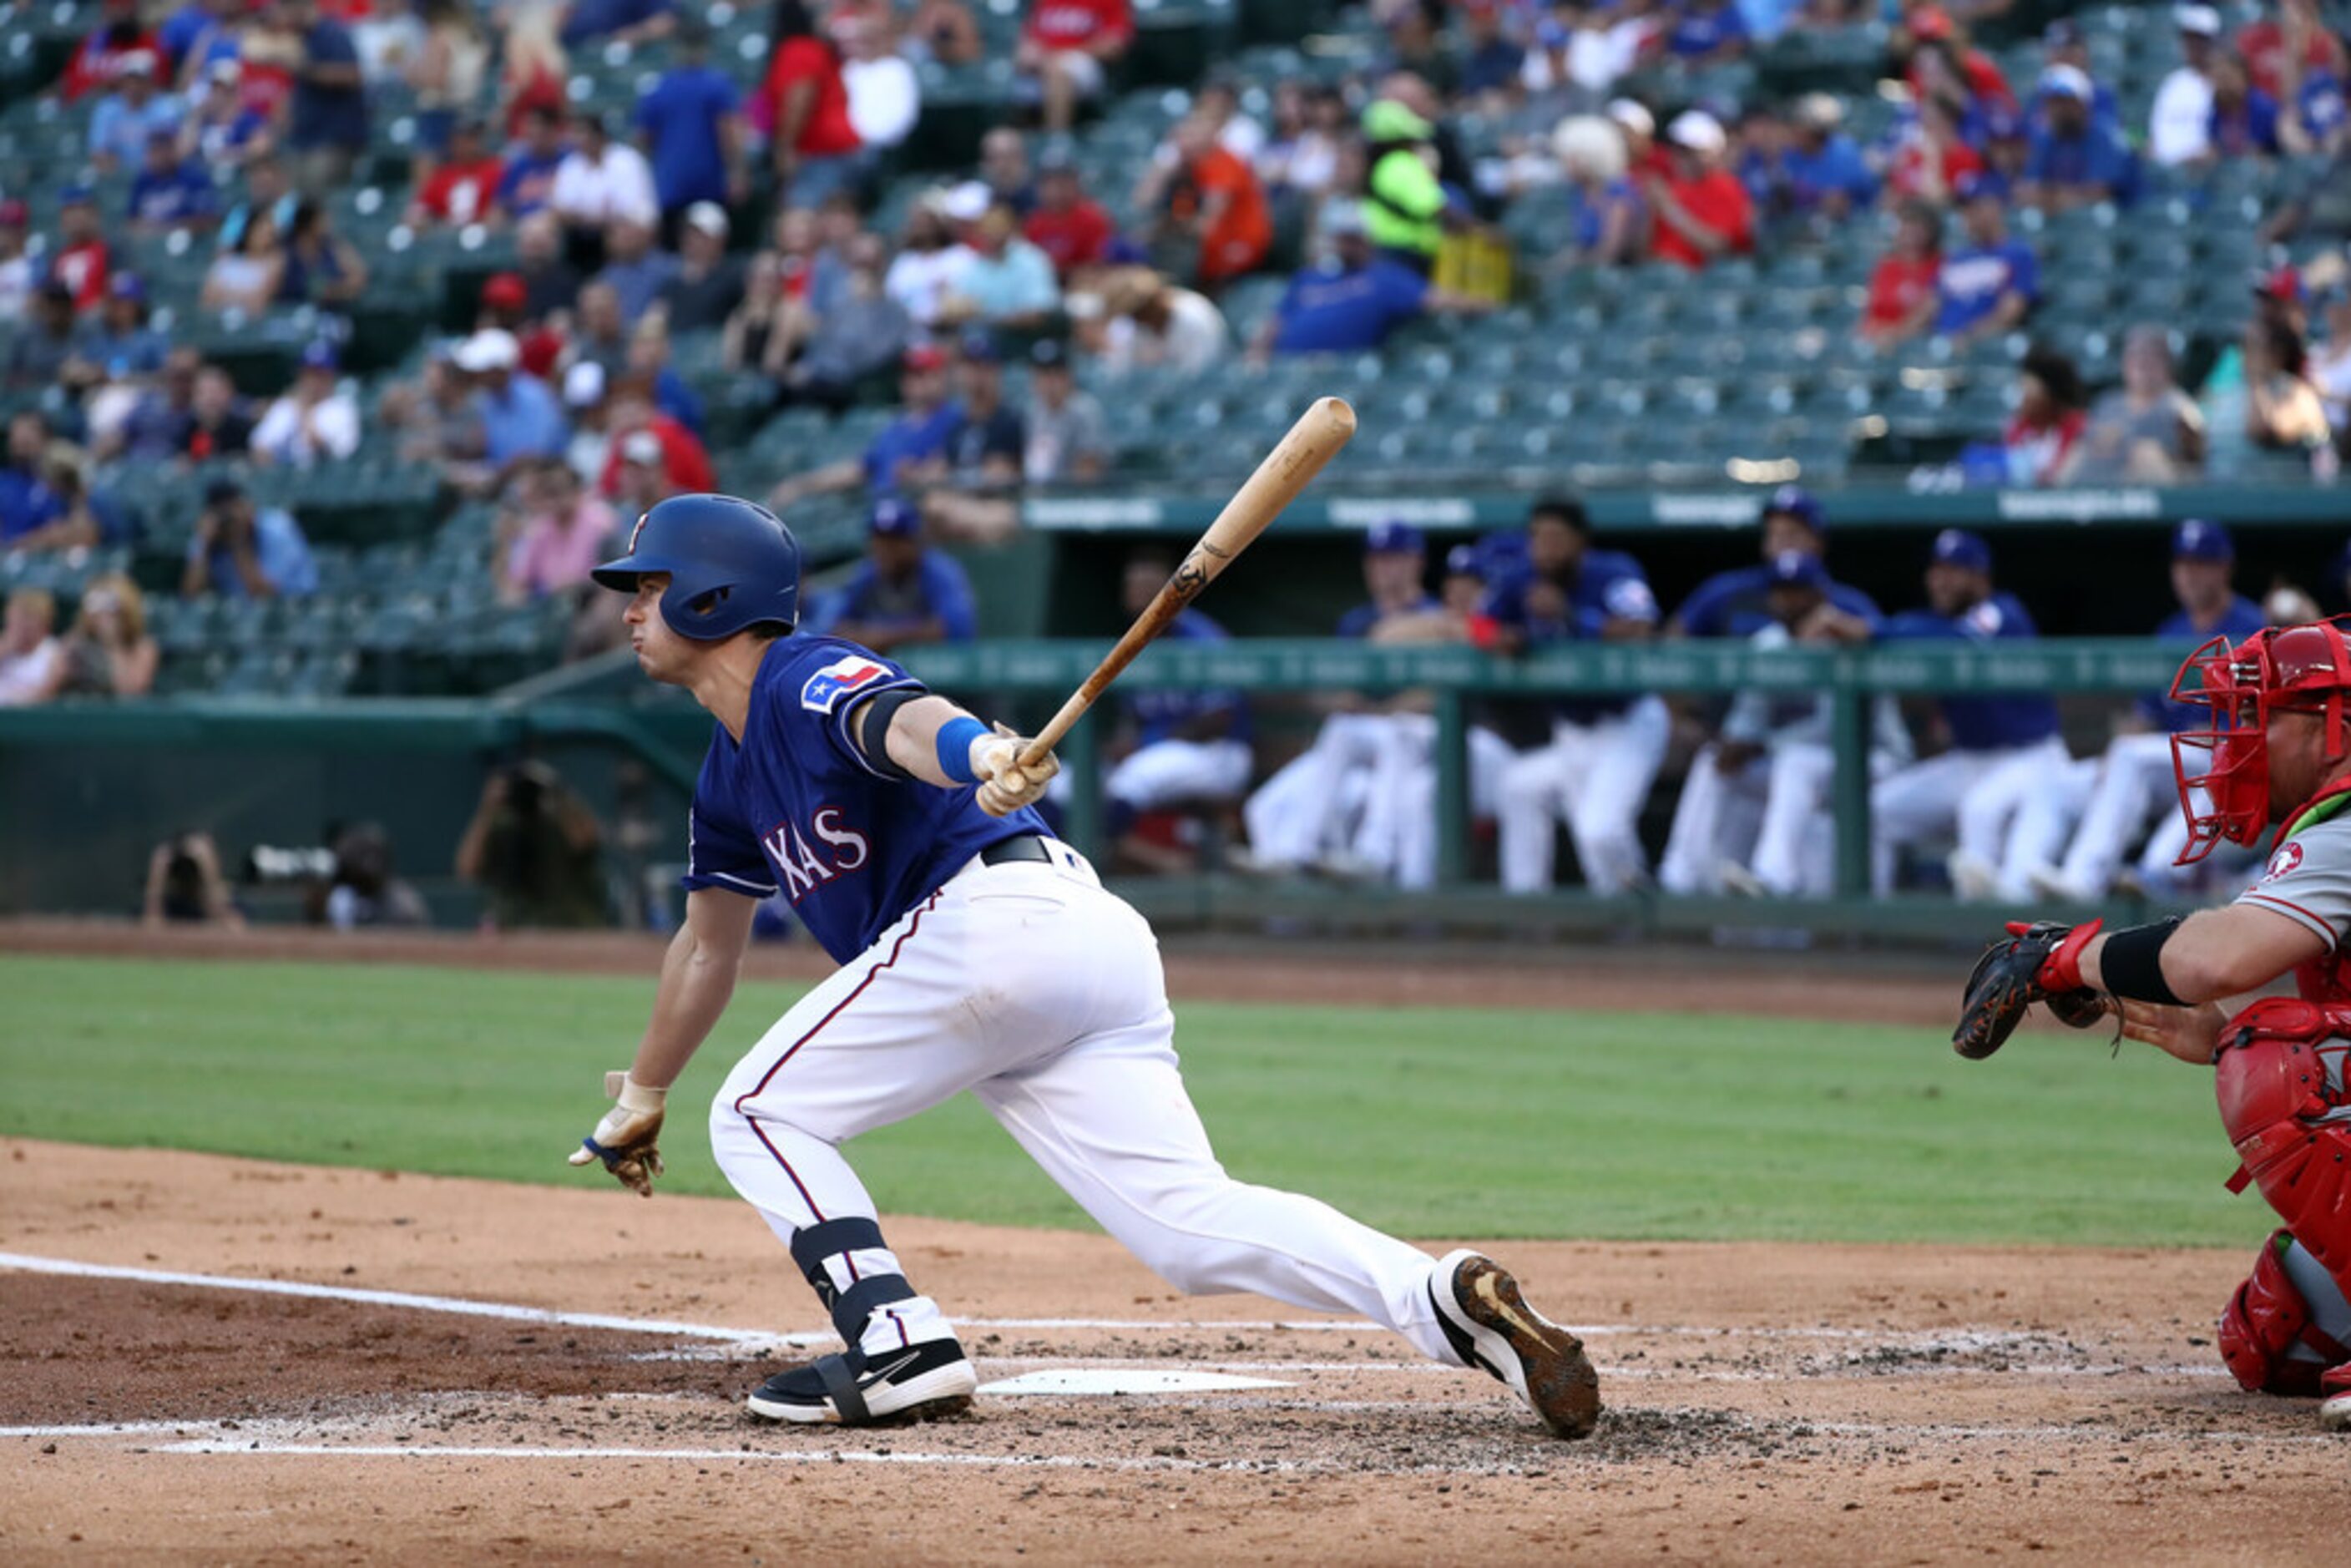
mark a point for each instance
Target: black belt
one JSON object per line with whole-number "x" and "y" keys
{"x": 1027, "y": 847}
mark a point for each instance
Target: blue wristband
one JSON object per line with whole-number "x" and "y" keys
{"x": 955, "y": 741}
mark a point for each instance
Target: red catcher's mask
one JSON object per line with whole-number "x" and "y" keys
{"x": 2301, "y": 669}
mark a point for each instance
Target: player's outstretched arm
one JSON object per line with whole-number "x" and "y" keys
{"x": 931, "y": 739}
{"x": 698, "y": 979}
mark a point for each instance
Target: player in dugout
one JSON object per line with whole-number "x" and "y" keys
{"x": 2274, "y": 748}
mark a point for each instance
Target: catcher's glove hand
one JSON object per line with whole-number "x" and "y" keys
{"x": 625, "y": 1140}
{"x": 2040, "y": 962}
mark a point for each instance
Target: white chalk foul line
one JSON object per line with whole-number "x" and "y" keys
{"x": 263, "y": 1449}
{"x": 456, "y": 1304}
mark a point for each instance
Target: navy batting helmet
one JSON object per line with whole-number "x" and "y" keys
{"x": 732, "y": 564}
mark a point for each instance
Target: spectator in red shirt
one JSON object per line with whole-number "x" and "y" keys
{"x": 2267, "y": 45}
{"x": 1216, "y": 200}
{"x": 464, "y": 188}
{"x": 684, "y": 463}
{"x": 1942, "y": 64}
{"x": 1933, "y": 160}
{"x": 1071, "y": 229}
{"x": 83, "y": 261}
{"x": 118, "y": 33}
{"x": 813, "y": 145}
{"x": 1701, "y": 209}
{"x": 1902, "y": 297}
{"x": 2049, "y": 418}
{"x": 1065, "y": 47}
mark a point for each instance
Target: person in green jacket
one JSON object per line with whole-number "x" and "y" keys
{"x": 1405, "y": 206}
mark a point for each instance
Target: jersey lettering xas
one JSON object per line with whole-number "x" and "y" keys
{"x": 796, "y": 806}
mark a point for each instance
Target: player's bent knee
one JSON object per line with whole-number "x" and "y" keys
{"x": 2267, "y": 1338}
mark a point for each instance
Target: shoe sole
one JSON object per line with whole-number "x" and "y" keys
{"x": 2334, "y": 1416}
{"x": 942, "y": 1391}
{"x": 1542, "y": 1362}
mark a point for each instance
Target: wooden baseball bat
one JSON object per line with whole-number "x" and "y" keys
{"x": 1313, "y": 441}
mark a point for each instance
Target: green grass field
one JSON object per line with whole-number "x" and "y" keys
{"x": 1428, "y": 1122}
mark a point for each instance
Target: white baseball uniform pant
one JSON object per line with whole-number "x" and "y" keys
{"x": 1974, "y": 793}
{"x": 1170, "y": 772}
{"x": 1399, "y": 831}
{"x": 1596, "y": 777}
{"x": 2134, "y": 781}
{"x": 1795, "y": 844}
{"x": 1716, "y": 819}
{"x": 1030, "y": 986}
{"x": 1299, "y": 814}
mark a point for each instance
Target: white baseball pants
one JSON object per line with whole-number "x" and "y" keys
{"x": 1170, "y": 772}
{"x": 1299, "y": 813}
{"x": 2134, "y": 781}
{"x": 1399, "y": 830}
{"x": 1976, "y": 794}
{"x": 1040, "y": 993}
{"x": 1716, "y": 819}
{"x": 1596, "y": 777}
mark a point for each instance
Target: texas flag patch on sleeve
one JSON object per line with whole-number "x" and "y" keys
{"x": 842, "y": 678}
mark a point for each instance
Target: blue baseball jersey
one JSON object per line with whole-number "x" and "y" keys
{"x": 1609, "y": 586}
{"x": 2240, "y": 620}
{"x": 1359, "y": 622}
{"x": 1737, "y": 604}
{"x": 1982, "y": 724}
{"x": 1160, "y": 715}
{"x": 795, "y": 805}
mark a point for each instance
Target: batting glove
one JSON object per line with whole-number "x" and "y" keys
{"x": 1004, "y": 786}
{"x": 625, "y": 1139}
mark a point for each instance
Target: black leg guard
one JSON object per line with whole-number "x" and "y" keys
{"x": 853, "y": 1307}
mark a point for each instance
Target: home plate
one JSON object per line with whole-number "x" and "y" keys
{"x": 1111, "y": 1380}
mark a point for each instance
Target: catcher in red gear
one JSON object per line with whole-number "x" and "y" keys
{"x": 2275, "y": 749}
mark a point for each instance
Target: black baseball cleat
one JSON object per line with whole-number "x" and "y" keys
{"x": 1488, "y": 1323}
{"x": 854, "y": 1389}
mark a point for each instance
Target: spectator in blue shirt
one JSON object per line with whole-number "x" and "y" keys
{"x": 909, "y": 452}
{"x": 1999, "y": 748}
{"x": 903, "y": 593}
{"x": 2244, "y": 119}
{"x": 1491, "y": 58}
{"x": 327, "y": 117}
{"x": 521, "y": 417}
{"x": 1737, "y": 604}
{"x": 170, "y": 192}
{"x": 121, "y": 124}
{"x": 1989, "y": 284}
{"x": 242, "y": 551}
{"x": 693, "y": 130}
{"x": 1708, "y": 31}
{"x": 528, "y": 181}
{"x": 2062, "y": 44}
{"x": 1824, "y": 168}
{"x": 1353, "y": 303}
{"x": 635, "y": 269}
{"x": 2315, "y": 126}
{"x": 117, "y": 345}
{"x": 2078, "y": 160}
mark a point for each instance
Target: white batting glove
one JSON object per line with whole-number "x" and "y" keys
{"x": 1004, "y": 786}
{"x": 625, "y": 1140}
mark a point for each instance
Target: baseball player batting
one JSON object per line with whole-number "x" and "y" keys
{"x": 978, "y": 953}
{"x": 2273, "y": 746}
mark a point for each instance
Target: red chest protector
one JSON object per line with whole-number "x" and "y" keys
{"x": 2281, "y": 1083}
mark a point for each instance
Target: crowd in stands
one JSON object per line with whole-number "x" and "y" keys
{"x": 735, "y": 233}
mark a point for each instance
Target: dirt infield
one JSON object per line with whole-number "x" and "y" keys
{"x": 1768, "y": 1403}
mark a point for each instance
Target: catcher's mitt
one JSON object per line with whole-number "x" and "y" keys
{"x": 2040, "y": 962}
